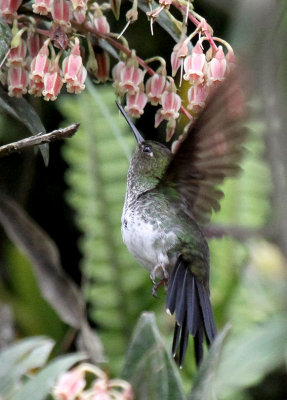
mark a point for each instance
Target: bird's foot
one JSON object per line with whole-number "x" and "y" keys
{"x": 159, "y": 270}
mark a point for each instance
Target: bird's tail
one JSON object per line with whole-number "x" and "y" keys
{"x": 188, "y": 298}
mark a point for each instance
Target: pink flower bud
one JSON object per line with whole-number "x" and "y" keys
{"x": 116, "y": 74}
{"x": 195, "y": 65}
{"x": 131, "y": 78}
{"x": 155, "y": 86}
{"x": 40, "y": 64}
{"x": 8, "y": 8}
{"x": 136, "y": 103}
{"x": 52, "y": 82}
{"x": 175, "y": 62}
{"x": 17, "y": 81}
{"x": 101, "y": 25}
{"x": 115, "y": 6}
{"x": 170, "y": 129}
{"x": 197, "y": 95}
{"x": 42, "y": 7}
{"x": 70, "y": 385}
{"x": 217, "y": 67}
{"x": 16, "y": 57}
{"x": 61, "y": 12}
{"x": 103, "y": 71}
{"x": 34, "y": 43}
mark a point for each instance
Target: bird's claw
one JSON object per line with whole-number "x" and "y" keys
{"x": 163, "y": 281}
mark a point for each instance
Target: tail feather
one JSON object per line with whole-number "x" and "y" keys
{"x": 188, "y": 298}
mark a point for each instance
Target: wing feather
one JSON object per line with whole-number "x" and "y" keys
{"x": 211, "y": 151}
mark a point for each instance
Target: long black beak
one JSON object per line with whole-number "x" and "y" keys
{"x": 138, "y": 136}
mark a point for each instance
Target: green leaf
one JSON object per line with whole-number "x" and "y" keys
{"x": 38, "y": 387}
{"x": 203, "y": 387}
{"x": 149, "y": 367}
{"x": 5, "y": 40}
{"x": 20, "y": 109}
{"x": 249, "y": 357}
{"x": 56, "y": 286}
{"x": 21, "y": 357}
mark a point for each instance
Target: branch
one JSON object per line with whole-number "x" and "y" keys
{"x": 40, "y": 138}
{"x": 237, "y": 232}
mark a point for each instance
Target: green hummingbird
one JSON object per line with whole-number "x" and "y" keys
{"x": 168, "y": 199}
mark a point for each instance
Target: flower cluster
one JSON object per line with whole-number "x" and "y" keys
{"x": 62, "y": 46}
{"x": 73, "y": 385}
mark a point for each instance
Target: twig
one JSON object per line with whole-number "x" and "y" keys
{"x": 40, "y": 138}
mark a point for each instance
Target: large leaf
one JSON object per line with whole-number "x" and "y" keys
{"x": 56, "y": 286}
{"x": 149, "y": 367}
{"x": 38, "y": 387}
{"x": 203, "y": 387}
{"x": 18, "y": 359}
{"x": 249, "y": 357}
{"x": 20, "y": 109}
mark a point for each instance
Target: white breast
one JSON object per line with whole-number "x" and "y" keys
{"x": 144, "y": 242}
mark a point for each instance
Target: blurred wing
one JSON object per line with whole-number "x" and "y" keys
{"x": 210, "y": 152}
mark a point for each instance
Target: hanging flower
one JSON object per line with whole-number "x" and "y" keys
{"x": 61, "y": 12}
{"x": 171, "y": 103}
{"x": 136, "y": 103}
{"x": 42, "y": 7}
{"x": 52, "y": 81}
{"x": 16, "y": 57}
{"x": 155, "y": 87}
{"x": 17, "y": 81}
{"x": 217, "y": 67}
{"x": 69, "y": 385}
{"x": 195, "y": 65}
{"x": 40, "y": 64}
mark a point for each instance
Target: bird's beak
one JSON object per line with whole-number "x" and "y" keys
{"x": 138, "y": 136}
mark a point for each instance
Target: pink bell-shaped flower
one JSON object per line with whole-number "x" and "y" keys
{"x": 78, "y": 85}
{"x": 131, "y": 79}
{"x": 34, "y": 43}
{"x": 40, "y": 64}
{"x": 17, "y": 81}
{"x": 155, "y": 87}
{"x": 42, "y": 7}
{"x": 79, "y": 16}
{"x": 16, "y": 56}
{"x": 72, "y": 64}
{"x": 171, "y": 103}
{"x": 61, "y": 12}
{"x": 116, "y": 75}
{"x": 217, "y": 67}
{"x": 52, "y": 82}
{"x": 195, "y": 65}
{"x": 8, "y": 8}
{"x": 197, "y": 95}
{"x": 70, "y": 385}
{"x": 101, "y": 25}
{"x": 79, "y": 5}
{"x": 136, "y": 103}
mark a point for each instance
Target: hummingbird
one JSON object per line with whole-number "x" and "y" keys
{"x": 169, "y": 198}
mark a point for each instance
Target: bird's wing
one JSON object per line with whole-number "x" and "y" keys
{"x": 211, "y": 150}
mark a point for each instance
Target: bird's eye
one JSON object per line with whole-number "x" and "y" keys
{"x": 147, "y": 149}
